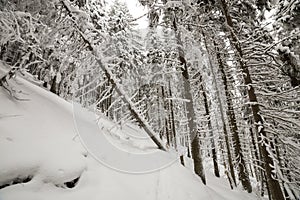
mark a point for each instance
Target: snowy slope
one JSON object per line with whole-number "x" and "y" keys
{"x": 39, "y": 145}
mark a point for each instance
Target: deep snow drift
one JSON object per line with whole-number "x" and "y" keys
{"x": 42, "y": 156}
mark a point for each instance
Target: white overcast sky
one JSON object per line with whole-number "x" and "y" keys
{"x": 137, "y": 10}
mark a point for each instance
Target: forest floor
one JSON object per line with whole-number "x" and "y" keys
{"x": 43, "y": 158}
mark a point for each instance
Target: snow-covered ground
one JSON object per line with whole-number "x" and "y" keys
{"x": 42, "y": 156}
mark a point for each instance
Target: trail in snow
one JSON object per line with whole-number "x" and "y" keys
{"x": 38, "y": 139}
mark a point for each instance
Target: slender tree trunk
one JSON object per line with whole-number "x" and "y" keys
{"x": 2, "y": 52}
{"x": 274, "y": 186}
{"x": 227, "y": 143}
{"x": 242, "y": 169}
{"x": 53, "y": 88}
{"x": 211, "y": 135}
{"x": 172, "y": 117}
{"x": 166, "y": 113}
{"x": 229, "y": 178}
{"x": 255, "y": 153}
{"x": 182, "y": 160}
{"x": 159, "y": 111}
{"x": 288, "y": 195}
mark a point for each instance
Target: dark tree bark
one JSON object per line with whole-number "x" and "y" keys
{"x": 53, "y": 88}
{"x": 172, "y": 117}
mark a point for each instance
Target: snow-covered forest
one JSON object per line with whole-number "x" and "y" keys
{"x": 202, "y": 104}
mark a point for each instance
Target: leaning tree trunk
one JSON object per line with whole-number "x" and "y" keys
{"x": 274, "y": 186}
{"x": 118, "y": 87}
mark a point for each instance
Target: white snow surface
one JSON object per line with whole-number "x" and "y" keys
{"x": 38, "y": 138}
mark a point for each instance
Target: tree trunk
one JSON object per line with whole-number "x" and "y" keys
{"x": 53, "y": 88}
{"x": 227, "y": 143}
{"x": 192, "y": 124}
{"x": 211, "y": 135}
{"x": 192, "y": 120}
{"x": 172, "y": 117}
{"x": 166, "y": 115}
{"x": 256, "y": 153}
{"x": 242, "y": 169}
{"x": 225, "y": 166}
{"x": 118, "y": 87}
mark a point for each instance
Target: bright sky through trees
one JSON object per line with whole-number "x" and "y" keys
{"x": 137, "y": 10}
